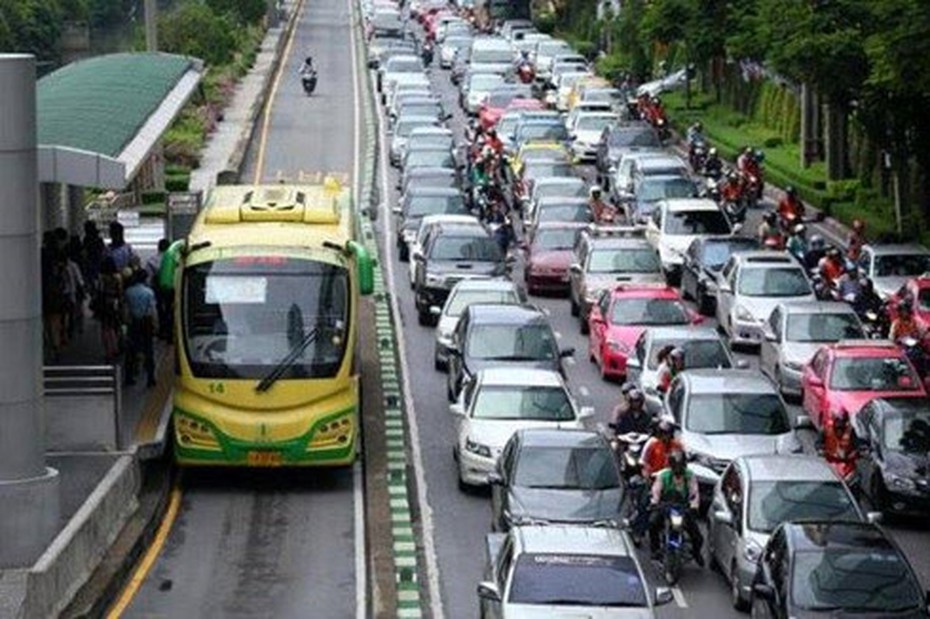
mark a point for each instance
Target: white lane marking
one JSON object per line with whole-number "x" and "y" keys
{"x": 426, "y": 512}
{"x": 558, "y": 335}
{"x": 583, "y": 391}
{"x": 679, "y": 597}
{"x": 361, "y": 564}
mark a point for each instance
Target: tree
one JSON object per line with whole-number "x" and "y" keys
{"x": 193, "y": 29}
{"x": 243, "y": 11}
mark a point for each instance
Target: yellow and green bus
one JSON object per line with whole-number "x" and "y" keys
{"x": 267, "y": 291}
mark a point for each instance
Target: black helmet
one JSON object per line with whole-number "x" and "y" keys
{"x": 791, "y": 191}
{"x": 635, "y": 396}
{"x": 677, "y": 461}
{"x": 770, "y": 218}
{"x": 833, "y": 252}
{"x": 905, "y": 307}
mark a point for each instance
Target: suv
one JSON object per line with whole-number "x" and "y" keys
{"x": 618, "y": 140}
{"x": 642, "y": 163}
{"x": 501, "y": 335}
{"x": 604, "y": 256}
{"x": 450, "y": 254}
{"x": 889, "y": 266}
{"x": 532, "y": 567}
{"x": 417, "y": 204}
{"x": 755, "y": 495}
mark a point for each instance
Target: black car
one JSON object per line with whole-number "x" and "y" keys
{"x": 450, "y": 254}
{"x": 703, "y": 260}
{"x": 431, "y": 177}
{"x": 501, "y": 335}
{"x": 417, "y": 204}
{"x": 895, "y": 469}
{"x": 835, "y": 569}
{"x": 543, "y": 475}
{"x": 620, "y": 139}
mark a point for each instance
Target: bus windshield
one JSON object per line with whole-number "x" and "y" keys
{"x": 243, "y": 316}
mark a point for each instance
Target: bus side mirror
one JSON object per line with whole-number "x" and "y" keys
{"x": 170, "y": 262}
{"x": 364, "y": 267}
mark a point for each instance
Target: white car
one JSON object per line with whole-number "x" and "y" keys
{"x": 675, "y": 223}
{"x": 478, "y": 87}
{"x": 749, "y": 287}
{"x": 586, "y": 132}
{"x": 465, "y": 293}
{"x": 586, "y": 106}
{"x": 563, "y": 88}
{"x": 415, "y": 241}
{"x": 545, "y": 51}
{"x": 401, "y": 131}
{"x": 450, "y": 47}
{"x": 499, "y": 401}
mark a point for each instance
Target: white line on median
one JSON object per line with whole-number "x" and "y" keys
{"x": 426, "y": 512}
{"x": 679, "y": 597}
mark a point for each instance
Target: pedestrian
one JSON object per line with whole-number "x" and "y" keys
{"x": 93, "y": 249}
{"x": 119, "y": 249}
{"x": 164, "y": 295}
{"x": 74, "y": 290}
{"x": 141, "y": 309}
{"x": 109, "y": 307}
{"x": 55, "y": 307}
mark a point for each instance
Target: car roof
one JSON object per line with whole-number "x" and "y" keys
{"x": 898, "y": 248}
{"x": 560, "y": 225}
{"x": 502, "y": 376}
{"x": 595, "y": 114}
{"x": 895, "y": 407}
{"x": 865, "y": 348}
{"x": 563, "y": 201}
{"x": 766, "y": 258}
{"x": 680, "y": 205}
{"x": 503, "y": 285}
{"x": 432, "y": 191}
{"x": 661, "y": 161}
{"x": 788, "y": 467}
{"x": 487, "y": 313}
{"x": 572, "y": 540}
{"x": 732, "y": 381}
{"x": 557, "y": 180}
{"x": 817, "y": 307}
{"x": 618, "y": 242}
{"x": 644, "y": 291}
{"x": 683, "y": 332}
{"x": 454, "y": 228}
{"x": 417, "y": 119}
{"x": 431, "y": 130}
{"x": 819, "y": 535}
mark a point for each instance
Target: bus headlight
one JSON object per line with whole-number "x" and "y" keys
{"x": 191, "y": 432}
{"x": 335, "y": 432}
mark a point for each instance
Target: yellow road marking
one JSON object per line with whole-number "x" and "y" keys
{"x": 266, "y": 121}
{"x": 151, "y": 555}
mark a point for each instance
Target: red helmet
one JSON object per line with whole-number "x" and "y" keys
{"x": 840, "y": 418}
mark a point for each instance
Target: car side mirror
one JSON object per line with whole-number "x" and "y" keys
{"x": 397, "y": 210}
{"x": 874, "y": 517}
{"x": 696, "y": 319}
{"x": 418, "y": 256}
{"x": 724, "y": 287}
{"x": 803, "y": 422}
{"x": 586, "y": 412}
{"x": 742, "y": 364}
{"x": 770, "y": 336}
{"x": 663, "y": 596}
{"x": 495, "y": 478}
{"x": 575, "y": 268}
{"x": 815, "y": 381}
{"x": 723, "y": 516}
{"x": 457, "y": 409}
{"x": 435, "y": 310}
{"x": 737, "y": 228}
{"x": 633, "y": 362}
{"x": 567, "y": 352}
{"x": 764, "y": 591}
{"x": 488, "y": 590}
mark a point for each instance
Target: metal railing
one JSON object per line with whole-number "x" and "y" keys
{"x": 76, "y": 381}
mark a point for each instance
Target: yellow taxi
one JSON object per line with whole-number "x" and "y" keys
{"x": 594, "y": 81}
{"x": 539, "y": 151}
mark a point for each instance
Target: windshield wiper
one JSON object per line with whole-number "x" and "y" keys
{"x": 288, "y": 361}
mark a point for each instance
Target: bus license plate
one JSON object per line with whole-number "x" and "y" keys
{"x": 264, "y": 458}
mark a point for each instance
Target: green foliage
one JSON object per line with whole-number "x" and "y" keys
{"x": 194, "y": 29}
{"x": 32, "y": 26}
{"x": 103, "y": 13}
{"x": 668, "y": 21}
{"x": 241, "y": 11}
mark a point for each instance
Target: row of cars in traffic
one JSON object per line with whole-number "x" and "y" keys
{"x": 787, "y": 533}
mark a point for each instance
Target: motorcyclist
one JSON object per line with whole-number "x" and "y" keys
{"x": 743, "y": 162}
{"x": 503, "y": 234}
{"x": 790, "y": 207}
{"x": 427, "y": 52}
{"x": 601, "y": 210}
{"x": 816, "y": 250}
{"x": 796, "y": 243}
{"x": 676, "y": 485}
{"x": 525, "y": 69}
{"x": 867, "y": 299}
{"x": 670, "y": 367}
{"x": 653, "y": 459}
{"x": 831, "y": 266}
{"x": 848, "y": 286}
{"x": 769, "y": 233}
{"x": 632, "y": 416}
{"x": 855, "y": 240}
{"x": 695, "y": 134}
{"x": 307, "y": 67}
{"x": 905, "y": 325}
{"x": 493, "y": 142}
{"x": 837, "y": 441}
{"x": 732, "y": 189}
{"x": 713, "y": 164}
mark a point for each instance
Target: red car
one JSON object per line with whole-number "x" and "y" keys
{"x": 621, "y": 315}
{"x": 548, "y": 256}
{"x": 849, "y": 374}
{"x": 918, "y": 291}
{"x": 503, "y": 101}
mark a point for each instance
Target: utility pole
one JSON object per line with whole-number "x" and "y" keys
{"x": 29, "y": 491}
{"x": 151, "y": 25}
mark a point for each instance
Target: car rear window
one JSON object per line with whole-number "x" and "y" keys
{"x": 577, "y": 580}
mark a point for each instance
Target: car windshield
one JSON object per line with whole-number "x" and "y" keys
{"x": 419, "y": 206}
{"x": 244, "y": 315}
{"x": 551, "y": 132}
{"x": 774, "y": 502}
{"x": 421, "y": 109}
{"x": 403, "y": 65}
{"x": 430, "y": 142}
{"x": 526, "y": 403}
{"x": 907, "y": 434}
{"x": 473, "y": 248}
{"x": 544, "y": 154}
{"x": 594, "y": 123}
{"x": 717, "y": 252}
{"x": 653, "y": 190}
{"x": 507, "y": 125}
{"x": 696, "y": 222}
{"x": 531, "y": 342}
{"x": 429, "y": 158}
{"x": 602, "y": 95}
{"x": 650, "y": 312}
{"x": 577, "y": 580}
{"x": 571, "y": 189}
{"x": 644, "y": 138}
{"x": 457, "y": 303}
{"x": 404, "y": 127}
{"x": 823, "y": 327}
{"x": 698, "y": 353}
{"x": 566, "y": 212}
{"x": 902, "y": 265}
{"x": 873, "y": 374}
{"x": 546, "y": 169}
{"x": 553, "y": 48}
{"x": 624, "y": 261}
{"x": 737, "y": 413}
{"x": 774, "y": 282}
{"x": 485, "y": 81}
{"x": 858, "y": 580}
{"x": 555, "y": 239}
{"x": 568, "y": 468}
{"x": 491, "y": 56}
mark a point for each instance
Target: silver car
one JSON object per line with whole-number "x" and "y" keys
{"x": 755, "y": 495}
{"x": 400, "y": 133}
{"x": 725, "y": 415}
{"x": 535, "y": 571}
{"x": 749, "y": 287}
{"x": 702, "y": 346}
{"x": 795, "y": 331}
{"x": 889, "y": 266}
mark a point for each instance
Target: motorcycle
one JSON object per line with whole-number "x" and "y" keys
{"x": 735, "y": 210}
{"x": 661, "y": 126}
{"x": 628, "y": 449}
{"x": 697, "y": 155}
{"x": 308, "y": 80}
{"x": 674, "y": 543}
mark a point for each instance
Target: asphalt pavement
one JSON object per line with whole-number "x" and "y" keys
{"x": 461, "y": 520}
{"x": 274, "y": 543}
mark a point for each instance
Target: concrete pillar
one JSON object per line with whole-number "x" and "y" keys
{"x": 151, "y": 25}
{"x": 54, "y": 214}
{"x": 77, "y": 215}
{"x": 29, "y": 493}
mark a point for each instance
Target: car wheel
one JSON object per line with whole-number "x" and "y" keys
{"x": 451, "y": 390}
{"x": 736, "y": 597}
{"x": 575, "y": 308}
{"x": 705, "y": 305}
{"x": 439, "y": 364}
{"x": 878, "y": 494}
{"x": 583, "y": 324}
{"x": 403, "y": 252}
{"x": 423, "y": 316}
